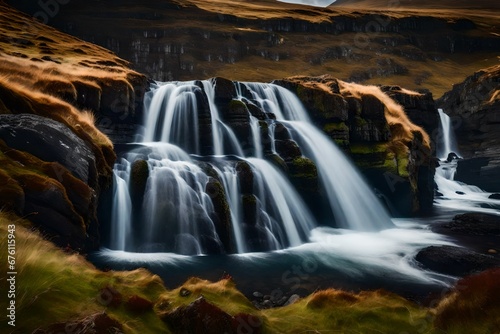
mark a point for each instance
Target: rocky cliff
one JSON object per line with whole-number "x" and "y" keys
{"x": 56, "y": 95}
{"x": 474, "y": 106}
{"x": 383, "y": 129}
{"x": 266, "y": 39}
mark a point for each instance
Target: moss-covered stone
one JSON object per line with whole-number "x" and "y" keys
{"x": 49, "y": 195}
{"x": 245, "y": 176}
{"x": 237, "y": 107}
{"x": 250, "y": 207}
{"x": 222, "y": 217}
{"x": 278, "y": 162}
{"x": 303, "y": 167}
{"x": 139, "y": 173}
{"x": 335, "y": 127}
{"x": 304, "y": 176}
{"x": 287, "y": 149}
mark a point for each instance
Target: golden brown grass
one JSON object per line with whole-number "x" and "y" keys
{"x": 21, "y": 99}
{"x": 51, "y": 74}
{"x": 54, "y": 286}
{"x": 402, "y": 129}
{"x": 473, "y": 306}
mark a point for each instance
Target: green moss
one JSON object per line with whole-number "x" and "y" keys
{"x": 236, "y": 105}
{"x": 303, "y": 167}
{"x": 335, "y": 127}
{"x": 277, "y": 161}
{"x": 21, "y": 170}
{"x": 369, "y": 148}
{"x": 359, "y": 121}
{"x": 342, "y": 143}
{"x": 343, "y": 312}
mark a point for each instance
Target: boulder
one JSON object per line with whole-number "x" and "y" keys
{"x": 494, "y": 196}
{"x": 138, "y": 304}
{"x": 93, "y": 324}
{"x": 61, "y": 205}
{"x": 202, "y": 317}
{"x": 455, "y": 261}
{"x": 477, "y": 231}
{"x": 49, "y": 140}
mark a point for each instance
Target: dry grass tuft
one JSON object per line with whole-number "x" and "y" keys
{"x": 473, "y": 306}
{"x": 402, "y": 128}
{"x": 331, "y": 297}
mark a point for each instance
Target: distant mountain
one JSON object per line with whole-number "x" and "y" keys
{"x": 316, "y": 3}
{"x": 417, "y": 4}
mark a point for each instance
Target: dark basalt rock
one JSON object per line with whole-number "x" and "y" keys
{"x": 49, "y": 140}
{"x": 474, "y": 224}
{"x": 201, "y": 317}
{"x": 420, "y": 108}
{"x": 288, "y": 149}
{"x": 494, "y": 196}
{"x": 483, "y": 172}
{"x": 455, "y": 261}
{"x": 478, "y": 231}
{"x": 138, "y": 304}
{"x": 94, "y": 324}
{"x": 475, "y": 111}
{"x": 222, "y": 215}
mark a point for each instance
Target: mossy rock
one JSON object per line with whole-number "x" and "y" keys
{"x": 335, "y": 127}
{"x": 281, "y": 132}
{"x": 278, "y": 162}
{"x": 245, "y": 176}
{"x": 304, "y": 176}
{"x": 250, "y": 207}
{"x": 288, "y": 149}
{"x": 238, "y": 107}
{"x": 303, "y": 167}
{"x": 139, "y": 174}
{"x": 222, "y": 218}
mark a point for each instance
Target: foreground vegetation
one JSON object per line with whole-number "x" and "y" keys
{"x": 57, "y": 286}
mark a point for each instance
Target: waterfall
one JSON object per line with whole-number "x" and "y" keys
{"x": 353, "y": 203}
{"x": 204, "y": 180}
{"x": 448, "y": 143}
{"x": 122, "y": 207}
{"x": 453, "y": 194}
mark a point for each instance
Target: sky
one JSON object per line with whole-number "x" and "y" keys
{"x": 316, "y": 3}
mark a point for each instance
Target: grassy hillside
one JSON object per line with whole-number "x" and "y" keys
{"x": 54, "y": 286}
{"x": 263, "y": 40}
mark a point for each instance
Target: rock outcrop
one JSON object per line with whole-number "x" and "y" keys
{"x": 474, "y": 106}
{"x": 58, "y": 95}
{"x": 384, "y": 130}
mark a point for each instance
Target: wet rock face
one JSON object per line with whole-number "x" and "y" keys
{"x": 401, "y": 171}
{"x": 51, "y": 179}
{"x": 455, "y": 261}
{"x": 49, "y": 141}
{"x": 474, "y": 108}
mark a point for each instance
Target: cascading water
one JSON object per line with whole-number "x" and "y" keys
{"x": 448, "y": 143}
{"x": 213, "y": 191}
{"x": 453, "y": 194}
